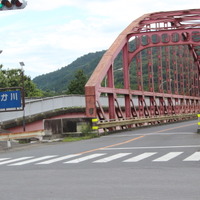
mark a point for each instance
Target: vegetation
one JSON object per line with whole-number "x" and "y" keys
{"x": 74, "y": 139}
{"x": 77, "y": 85}
{"x": 72, "y": 78}
{"x": 56, "y": 83}
{"x": 16, "y": 78}
{"x": 86, "y": 133}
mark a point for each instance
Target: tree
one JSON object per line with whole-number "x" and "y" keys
{"x": 77, "y": 85}
{"x": 16, "y": 78}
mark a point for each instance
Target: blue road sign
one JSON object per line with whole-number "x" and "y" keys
{"x": 10, "y": 99}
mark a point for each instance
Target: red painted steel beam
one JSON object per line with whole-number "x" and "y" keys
{"x": 165, "y": 56}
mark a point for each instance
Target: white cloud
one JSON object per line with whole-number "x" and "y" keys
{"x": 47, "y": 5}
{"x": 48, "y": 35}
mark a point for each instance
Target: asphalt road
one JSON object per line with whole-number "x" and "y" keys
{"x": 154, "y": 163}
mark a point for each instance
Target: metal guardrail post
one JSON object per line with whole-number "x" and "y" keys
{"x": 9, "y": 143}
{"x": 95, "y": 126}
{"x": 198, "y": 130}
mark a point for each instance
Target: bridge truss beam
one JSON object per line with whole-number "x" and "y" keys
{"x": 154, "y": 65}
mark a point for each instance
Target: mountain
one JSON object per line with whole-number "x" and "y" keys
{"x": 58, "y": 80}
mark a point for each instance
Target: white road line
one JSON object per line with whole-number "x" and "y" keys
{"x": 1, "y": 159}
{"x": 140, "y": 157}
{"x": 14, "y": 160}
{"x": 57, "y": 159}
{"x": 194, "y": 157}
{"x": 167, "y": 157}
{"x": 78, "y": 160}
{"x": 32, "y": 160}
{"x": 111, "y": 158}
{"x": 136, "y": 134}
{"x": 155, "y": 147}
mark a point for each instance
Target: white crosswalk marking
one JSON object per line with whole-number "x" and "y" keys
{"x": 111, "y": 158}
{"x": 32, "y": 160}
{"x": 57, "y": 159}
{"x": 194, "y": 157}
{"x": 78, "y": 160}
{"x": 14, "y": 160}
{"x": 140, "y": 157}
{"x": 167, "y": 157}
{"x": 1, "y": 159}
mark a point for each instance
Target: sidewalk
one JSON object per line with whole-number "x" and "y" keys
{"x": 13, "y": 145}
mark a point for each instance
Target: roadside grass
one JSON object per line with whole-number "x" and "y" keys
{"x": 86, "y": 134}
{"x": 74, "y": 139}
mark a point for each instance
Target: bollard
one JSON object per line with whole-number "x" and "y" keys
{"x": 8, "y": 143}
{"x": 95, "y": 127}
{"x": 198, "y": 130}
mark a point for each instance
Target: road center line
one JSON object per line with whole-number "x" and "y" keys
{"x": 113, "y": 145}
{"x": 137, "y": 138}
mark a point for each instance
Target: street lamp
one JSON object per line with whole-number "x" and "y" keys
{"x": 22, "y": 64}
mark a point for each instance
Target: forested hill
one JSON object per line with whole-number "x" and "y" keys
{"x": 58, "y": 80}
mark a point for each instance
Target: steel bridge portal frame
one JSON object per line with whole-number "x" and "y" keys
{"x": 165, "y": 46}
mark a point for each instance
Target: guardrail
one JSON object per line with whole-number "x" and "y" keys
{"x": 22, "y": 135}
{"x": 198, "y": 129}
{"x": 97, "y": 125}
{"x": 111, "y": 124}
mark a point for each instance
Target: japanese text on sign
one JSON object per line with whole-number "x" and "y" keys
{"x": 10, "y": 99}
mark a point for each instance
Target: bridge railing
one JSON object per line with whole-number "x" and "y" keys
{"x": 36, "y": 106}
{"x": 42, "y": 105}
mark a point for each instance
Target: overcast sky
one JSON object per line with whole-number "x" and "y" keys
{"x": 48, "y": 35}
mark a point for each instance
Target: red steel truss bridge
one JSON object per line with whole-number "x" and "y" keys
{"x": 154, "y": 65}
